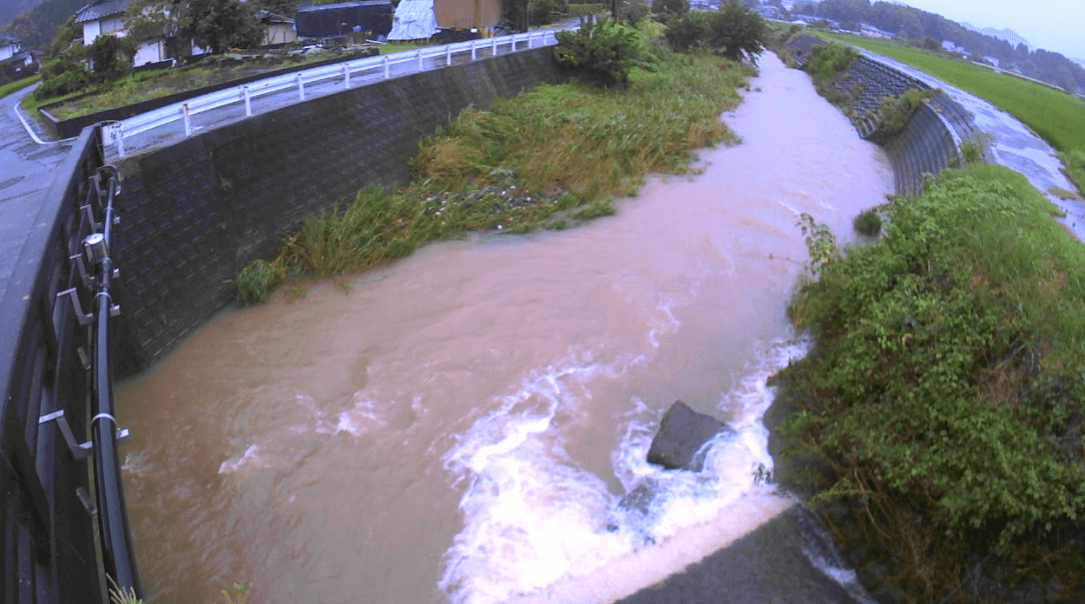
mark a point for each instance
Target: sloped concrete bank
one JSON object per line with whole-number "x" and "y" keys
{"x": 932, "y": 138}
{"x": 197, "y": 211}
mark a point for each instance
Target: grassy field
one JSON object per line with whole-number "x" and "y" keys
{"x": 547, "y": 159}
{"x": 17, "y": 85}
{"x": 1056, "y": 116}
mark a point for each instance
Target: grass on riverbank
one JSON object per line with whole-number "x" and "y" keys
{"x": 545, "y": 159}
{"x": 1056, "y": 116}
{"x": 944, "y": 392}
{"x": 18, "y": 85}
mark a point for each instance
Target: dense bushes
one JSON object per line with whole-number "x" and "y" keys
{"x": 827, "y": 61}
{"x": 945, "y": 390}
{"x": 603, "y": 51}
{"x": 734, "y": 31}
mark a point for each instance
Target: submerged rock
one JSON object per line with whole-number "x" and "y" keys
{"x": 682, "y": 434}
{"x": 641, "y": 497}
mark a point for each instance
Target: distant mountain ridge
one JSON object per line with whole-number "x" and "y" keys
{"x": 36, "y": 26}
{"x": 1007, "y": 34}
{"x": 9, "y": 9}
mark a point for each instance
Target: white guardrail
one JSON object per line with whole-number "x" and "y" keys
{"x": 380, "y": 66}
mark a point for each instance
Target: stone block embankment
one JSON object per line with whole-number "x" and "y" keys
{"x": 929, "y": 141}
{"x": 198, "y": 211}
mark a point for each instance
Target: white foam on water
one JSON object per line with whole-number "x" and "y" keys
{"x": 539, "y": 528}
{"x": 249, "y": 457}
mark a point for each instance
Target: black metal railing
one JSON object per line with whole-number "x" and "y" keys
{"x": 57, "y": 406}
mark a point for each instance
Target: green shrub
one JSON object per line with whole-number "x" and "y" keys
{"x": 829, "y": 60}
{"x": 896, "y": 111}
{"x": 110, "y": 57}
{"x": 604, "y": 51}
{"x": 868, "y": 223}
{"x": 688, "y": 31}
{"x": 945, "y": 388}
{"x": 545, "y": 12}
{"x": 733, "y": 31}
{"x": 665, "y": 10}
{"x": 255, "y": 282}
{"x": 737, "y": 32}
{"x": 1074, "y": 166}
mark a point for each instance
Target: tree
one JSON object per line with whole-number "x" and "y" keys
{"x": 605, "y": 51}
{"x": 64, "y": 71}
{"x": 737, "y": 32}
{"x": 219, "y": 25}
{"x": 153, "y": 20}
{"x": 111, "y": 57}
{"x": 664, "y": 10}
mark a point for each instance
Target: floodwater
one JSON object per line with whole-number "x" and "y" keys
{"x": 460, "y": 426}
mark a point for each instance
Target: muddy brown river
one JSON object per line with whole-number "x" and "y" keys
{"x": 461, "y": 425}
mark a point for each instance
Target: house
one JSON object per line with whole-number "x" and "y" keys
{"x": 15, "y": 62}
{"x": 420, "y": 19}
{"x": 331, "y": 20}
{"x": 9, "y": 47}
{"x": 277, "y": 28}
{"x": 106, "y": 18}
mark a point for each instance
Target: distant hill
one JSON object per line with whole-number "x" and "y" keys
{"x": 914, "y": 24}
{"x": 9, "y": 9}
{"x": 37, "y": 26}
{"x": 1007, "y": 34}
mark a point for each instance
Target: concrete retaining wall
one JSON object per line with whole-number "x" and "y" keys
{"x": 931, "y": 139}
{"x": 198, "y": 211}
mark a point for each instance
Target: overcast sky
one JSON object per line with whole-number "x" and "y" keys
{"x": 1057, "y": 25}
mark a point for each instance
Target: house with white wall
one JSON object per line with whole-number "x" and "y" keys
{"x": 9, "y": 47}
{"x": 106, "y": 18}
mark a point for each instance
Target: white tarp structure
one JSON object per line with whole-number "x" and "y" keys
{"x": 414, "y": 20}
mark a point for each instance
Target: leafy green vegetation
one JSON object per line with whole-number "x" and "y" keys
{"x": 867, "y": 223}
{"x": 896, "y": 111}
{"x": 943, "y": 395}
{"x": 17, "y": 85}
{"x": 545, "y": 159}
{"x": 827, "y": 62}
{"x": 604, "y": 51}
{"x": 1056, "y": 116}
{"x": 1074, "y": 162}
{"x": 733, "y": 31}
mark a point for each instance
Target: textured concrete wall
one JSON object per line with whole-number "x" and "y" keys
{"x": 196, "y": 212}
{"x": 927, "y": 144}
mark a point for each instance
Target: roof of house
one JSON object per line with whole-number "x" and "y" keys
{"x": 267, "y": 16}
{"x": 100, "y": 10}
{"x": 4, "y": 40}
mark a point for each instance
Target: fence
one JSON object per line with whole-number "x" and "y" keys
{"x": 57, "y": 407}
{"x": 365, "y": 69}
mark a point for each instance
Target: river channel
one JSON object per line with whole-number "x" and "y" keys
{"x": 461, "y": 425}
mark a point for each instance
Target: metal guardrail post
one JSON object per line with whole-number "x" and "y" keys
{"x": 473, "y": 47}
{"x": 188, "y": 125}
{"x": 420, "y": 68}
{"x": 301, "y": 87}
{"x": 248, "y": 100}
{"x": 448, "y": 54}
{"x": 493, "y": 52}
{"x": 386, "y": 75}
{"x": 346, "y": 77}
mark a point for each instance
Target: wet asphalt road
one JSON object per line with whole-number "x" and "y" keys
{"x": 26, "y": 173}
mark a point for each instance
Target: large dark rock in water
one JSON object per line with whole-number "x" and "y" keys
{"x": 681, "y": 434}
